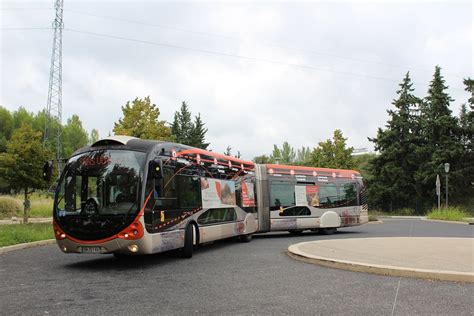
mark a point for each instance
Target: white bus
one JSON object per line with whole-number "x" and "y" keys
{"x": 124, "y": 195}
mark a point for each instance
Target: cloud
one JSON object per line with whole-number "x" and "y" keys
{"x": 353, "y": 55}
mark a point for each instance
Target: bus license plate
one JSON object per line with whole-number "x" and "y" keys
{"x": 91, "y": 249}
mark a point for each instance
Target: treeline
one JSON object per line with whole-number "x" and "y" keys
{"x": 420, "y": 136}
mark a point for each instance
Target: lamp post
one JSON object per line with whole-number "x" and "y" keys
{"x": 446, "y": 168}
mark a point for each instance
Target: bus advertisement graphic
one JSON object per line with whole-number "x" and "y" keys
{"x": 248, "y": 197}
{"x": 306, "y": 195}
{"x": 217, "y": 193}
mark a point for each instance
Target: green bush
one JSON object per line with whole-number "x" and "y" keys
{"x": 452, "y": 213}
{"x": 9, "y": 207}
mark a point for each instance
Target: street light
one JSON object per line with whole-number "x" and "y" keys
{"x": 446, "y": 168}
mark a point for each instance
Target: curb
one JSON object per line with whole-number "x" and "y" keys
{"x": 26, "y": 245}
{"x": 295, "y": 253}
{"x": 404, "y": 217}
{"x": 448, "y": 222}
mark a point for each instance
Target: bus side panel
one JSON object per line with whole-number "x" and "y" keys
{"x": 168, "y": 240}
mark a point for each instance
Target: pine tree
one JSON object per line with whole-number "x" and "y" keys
{"x": 182, "y": 126}
{"x": 198, "y": 134}
{"x": 392, "y": 185}
{"x": 440, "y": 143}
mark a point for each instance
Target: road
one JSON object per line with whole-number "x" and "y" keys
{"x": 227, "y": 277}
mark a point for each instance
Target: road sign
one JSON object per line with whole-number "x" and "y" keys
{"x": 438, "y": 185}
{"x": 438, "y": 190}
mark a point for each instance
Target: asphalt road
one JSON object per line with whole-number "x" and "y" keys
{"x": 227, "y": 277}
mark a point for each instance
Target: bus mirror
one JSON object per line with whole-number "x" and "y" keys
{"x": 47, "y": 170}
{"x": 156, "y": 169}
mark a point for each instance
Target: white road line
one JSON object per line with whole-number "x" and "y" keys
{"x": 400, "y": 279}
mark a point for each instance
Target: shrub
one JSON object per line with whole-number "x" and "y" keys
{"x": 452, "y": 213}
{"x": 9, "y": 207}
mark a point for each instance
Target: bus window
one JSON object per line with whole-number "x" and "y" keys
{"x": 348, "y": 194}
{"x": 282, "y": 194}
{"x": 189, "y": 191}
{"x": 296, "y": 211}
{"x": 217, "y": 215}
{"x": 328, "y": 196}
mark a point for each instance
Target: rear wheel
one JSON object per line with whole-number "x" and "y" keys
{"x": 245, "y": 238}
{"x": 187, "y": 251}
{"x": 328, "y": 231}
{"x": 296, "y": 231}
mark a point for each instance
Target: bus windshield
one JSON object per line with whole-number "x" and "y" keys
{"x": 97, "y": 187}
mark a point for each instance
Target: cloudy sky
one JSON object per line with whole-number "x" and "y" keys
{"x": 260, "y": 73}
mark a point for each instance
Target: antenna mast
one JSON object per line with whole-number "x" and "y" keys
{"x": 54, "y": 104}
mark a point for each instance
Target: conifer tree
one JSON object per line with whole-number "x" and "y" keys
{"x": 392, "y": 184}
{"x": 440, "y": 143}
{"x": 182, "y": 126}
{"x": 198, "y": 134}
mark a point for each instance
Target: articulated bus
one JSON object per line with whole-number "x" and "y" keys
{"x": 124, "y": 195}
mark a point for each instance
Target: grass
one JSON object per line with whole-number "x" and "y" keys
{"x": 21, "y": 233}
{"x": 41, "y": 206}
{"x": 452, "y": 213}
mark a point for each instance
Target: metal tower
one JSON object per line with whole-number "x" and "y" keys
{"x": 54, "y": 104}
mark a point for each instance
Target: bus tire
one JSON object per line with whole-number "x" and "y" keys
{"x": 328, "y": 231}
{"x": 245, "y": 238}
{"x": 296, "y": 231}
{"x": 187, "y": 251}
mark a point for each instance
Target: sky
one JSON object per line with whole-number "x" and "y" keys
{"x": 259, "y": 72}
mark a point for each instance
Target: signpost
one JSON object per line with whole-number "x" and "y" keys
{"x": 446, "y": 168}
{"x": 438, "y": 190}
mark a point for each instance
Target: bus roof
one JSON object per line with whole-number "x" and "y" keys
{"x": 302, "y": 170}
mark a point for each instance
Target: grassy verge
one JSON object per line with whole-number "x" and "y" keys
{"x": 41, "y": 206}
{"x": 19, "y": 233}
{"x": 448, "y": 214}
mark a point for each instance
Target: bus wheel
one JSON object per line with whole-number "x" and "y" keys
{"x": 187, "y": 251}
{"x": 328, "y": 231}
{"x": 245, "y": 238}
{"x": 296, "y": 231}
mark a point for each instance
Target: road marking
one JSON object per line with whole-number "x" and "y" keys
{"x": 400, "y": 278}
{"x": 396, "y": 295}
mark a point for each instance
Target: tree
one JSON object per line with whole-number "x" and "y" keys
{"x": 74, "y": 136}
{"x": 6, "y": 128}
{"x": 94, "y": 136}
{"x": 22, "y": 164}
{"x": 303, "y": 156}
{"x": 440, "y": 143}
{"x": 140, "y": 119}
{"x": 198, "y": 134}
{"x": 392, "y": 182}
{"x": 284, "y": 155}
{"x": 333, "y": 153}
{"x": 182, "y": 125}
{"x": 185, "y": 131}
{"x": 263, "y": 159}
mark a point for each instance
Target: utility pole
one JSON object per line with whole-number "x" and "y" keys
{"x": 55, "y": 93}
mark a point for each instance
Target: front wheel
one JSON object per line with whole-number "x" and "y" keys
{"x": 187, "y": 251}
